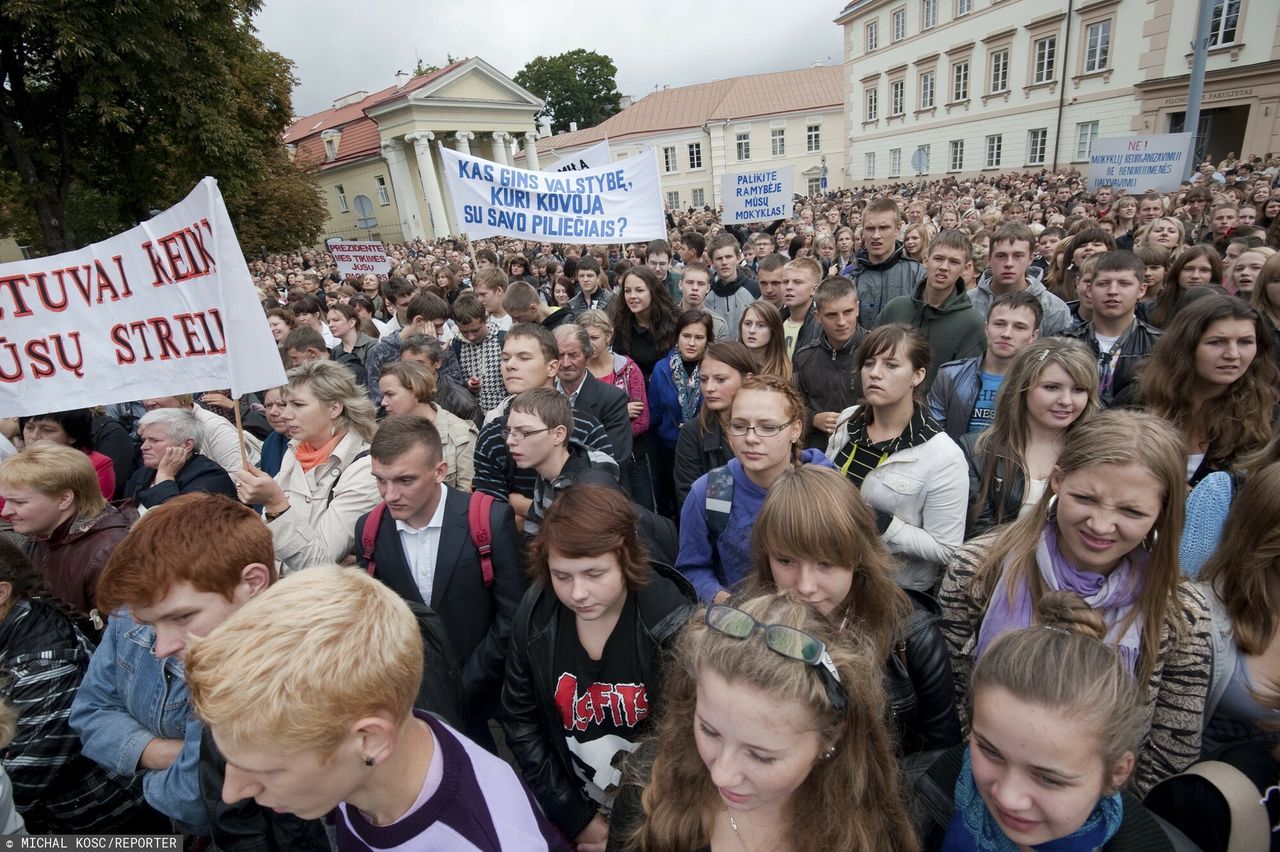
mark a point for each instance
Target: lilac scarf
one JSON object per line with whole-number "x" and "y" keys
{"x": 1112, "y": 595}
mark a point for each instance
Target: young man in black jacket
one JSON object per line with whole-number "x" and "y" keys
{"x": 824, "y": 371}
{"x": 1120, "y": 340}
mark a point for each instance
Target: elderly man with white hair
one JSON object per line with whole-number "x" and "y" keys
{"x": 172, "y": 465}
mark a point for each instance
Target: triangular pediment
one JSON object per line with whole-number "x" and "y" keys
{"x": 475, "y": 80}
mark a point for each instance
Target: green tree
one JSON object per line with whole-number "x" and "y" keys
{"x": 577, "y": 86}
{"x": 111, "y": 109}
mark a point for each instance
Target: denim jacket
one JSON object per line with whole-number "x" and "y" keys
{"x": 128, "y": 698}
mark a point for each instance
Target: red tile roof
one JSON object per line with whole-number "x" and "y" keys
{"x": 735, "y": 99}
{"x": 359, "y": 132}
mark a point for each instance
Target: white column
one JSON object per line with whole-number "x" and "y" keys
{"x": 437, "y": 215}
{"x": 454, "y": 226}
{"x": 531, "y": 152}
{"x": 412, "y": 221}
{"x": 463, "y": 143}
{"x": 500, "y": 141}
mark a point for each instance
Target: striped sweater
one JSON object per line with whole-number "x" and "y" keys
{"x": 1176, "y": 691}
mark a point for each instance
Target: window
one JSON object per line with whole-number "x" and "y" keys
{"x": 963, "y": 7}
{"x": 870, "y": 167}
{"x": 342, "y": 198}
{"x": 960, "y": 81}
{"x": 669, "y": 159}
{"x": 813, "y": 138}
{"x": 1097, "y": 46}
{"x": 873, "y": 104}
{"x": 1036, "y": 143}
{"x": 673, "y": 199}
{"x": 330, "y": 148}
{"x": 1086, "y": 132}
{"x": 926, "y": 90}
{"x": 1222, "y": 26}
{"x": 928, "y": 14}
{"x": 995, "y": 145}
{"x": 899, "y": 24}
{"x": 699, "y": 197}
{"x": 923, "y": 166}
{"x": 873, "y": 36}
{"x": 384, "y": 197}
{"x": 778, "y": 141}
{"x": 897, "y": 97}
{"x": 895, "y": 162}
{"x": 815, "y": 185}
{"x": 1046, "y": 53}
{"x": 744, "y": 146}
{"x": 957, "y": 155}
{"x": 1000, "y": 71}
{"x": 695, "y": 155}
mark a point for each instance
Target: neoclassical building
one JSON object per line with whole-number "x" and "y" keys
{"x": 963, "y": 87}
{"x": 378, "y": 155}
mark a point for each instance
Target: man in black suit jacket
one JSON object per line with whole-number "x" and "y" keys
{"x": 425, "y": 552}
{"x": 588, "y": 394}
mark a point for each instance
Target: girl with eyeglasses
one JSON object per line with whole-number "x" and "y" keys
{"x": 702, "y": 444}
{"x": 1106, "y": 530}
{"x": 771, "y": 737}
{"x": 815, "y": 538}
{"x": 765, "y": 429}
{"x": 1057, "y": 721}
{"x": 583, "y": 674}
{"x": 908, "y": 469}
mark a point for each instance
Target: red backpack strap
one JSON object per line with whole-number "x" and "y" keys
{"x": 369, "y": 534}
{"x": 482, "y": 532}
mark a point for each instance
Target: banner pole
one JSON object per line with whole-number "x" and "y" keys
{"x": 244, "y": 453}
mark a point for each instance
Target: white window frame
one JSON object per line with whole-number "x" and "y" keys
{"x": 1225, "y": 20}
{"x": 1046, "y": 59}
{"x": 897, "y": 97}
{"x": 1037, "y": 146}
{"x": 698, "y": 197}
{"x": 673, "y": 199}
{"x": 956, "y": 155}
{"x": 778, "y": 141}
{"x": 995, "y": 150}
{"x": 668, "y": 159}
{"x": 872, "y": 104}
{"x": 1000, "y": 71}
{"x": 873, "y": 35}
{"x": 869, "y": 164}
{"x": 742, "y": 144}
{"x": 813, "y": 138}
{"x": 384, "y": 195}
{"x": 899, "y": 18}
{"x": 963, "y": 7}
{"x": 895, "y": 162}
{"x": 960, "y": 81}
{"x": 814, "y": 185}
{"x": 342, "y": 198}
{"x": 928, "y": 14}
{"x": 1086, "y": 132}
{"x": 1097, "y": 46}
{"x": 928, "y": 89}
{"x": 695, "y": 155}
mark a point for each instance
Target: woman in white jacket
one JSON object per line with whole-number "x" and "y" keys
{"x": 909, "y": 471}
{"x": 325, "y": 481}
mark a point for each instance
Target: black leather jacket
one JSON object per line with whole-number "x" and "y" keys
{"x": 534, "y": 730}
{"x": 698, "y": 452}
{"x": 1005, "y": 493}
{"x": 919, "y": 684}
{"x": 1135, "y": 345}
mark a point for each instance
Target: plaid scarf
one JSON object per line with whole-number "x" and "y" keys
{"x": 860, "y": 456}
{"x": 688, "y": 386}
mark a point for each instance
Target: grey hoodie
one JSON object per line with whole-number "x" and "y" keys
{"x": 1057, "y": 316}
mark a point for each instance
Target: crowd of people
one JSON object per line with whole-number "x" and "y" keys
{"x": 940, "y": 516}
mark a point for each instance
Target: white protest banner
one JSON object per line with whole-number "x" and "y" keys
{"x": 1134, "y": 164}
{"x": 167, "y": 307}
{"x": 355, "y": 259}
{"x": 594, "y": 157}
{"x": 755, "y": 196}
{"x": 621, "y": 202}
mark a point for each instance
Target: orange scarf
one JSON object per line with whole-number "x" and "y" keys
{"x": 309, "y": 456}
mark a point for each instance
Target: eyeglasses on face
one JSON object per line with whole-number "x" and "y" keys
{"x": 737, "y": 428}
{"x": 518, "y": 435}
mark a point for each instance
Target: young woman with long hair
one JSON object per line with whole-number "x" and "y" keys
{"x": 644, "y": 319}
{"x": 675, "y": 388}
{"x": 1212, "y": 375}
{"x": 907, "y": 468}
{"x": 703, "y": 444}
{"x": 765, "y": 428}
{"x": 760, "y": 330}
{"x": 1266, "y": 298}
{"x": 1051, "y": 387}
{"x": 771, "y": 736}
{"x": 596, "y": 622}
{"x": 815, "y": 538}
{"x": 1057, "y": 722}
{"x": 1107, "y": 531}
{"x": 1195, "y": 266}
{"x": 1167, "y": 232}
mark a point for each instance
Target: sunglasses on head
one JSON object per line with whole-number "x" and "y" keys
{"x": 786, "y": 641}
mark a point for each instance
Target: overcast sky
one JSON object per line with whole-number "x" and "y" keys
{"x": 343, "y": 47}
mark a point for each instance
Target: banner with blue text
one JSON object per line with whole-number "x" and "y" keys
{"x": 757, "y": 196}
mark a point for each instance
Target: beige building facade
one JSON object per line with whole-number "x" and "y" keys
{"x": 378, "y": 155}
{"x": 962, "y": 87}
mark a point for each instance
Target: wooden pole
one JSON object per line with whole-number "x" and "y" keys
{"x": 244, "y": 452}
